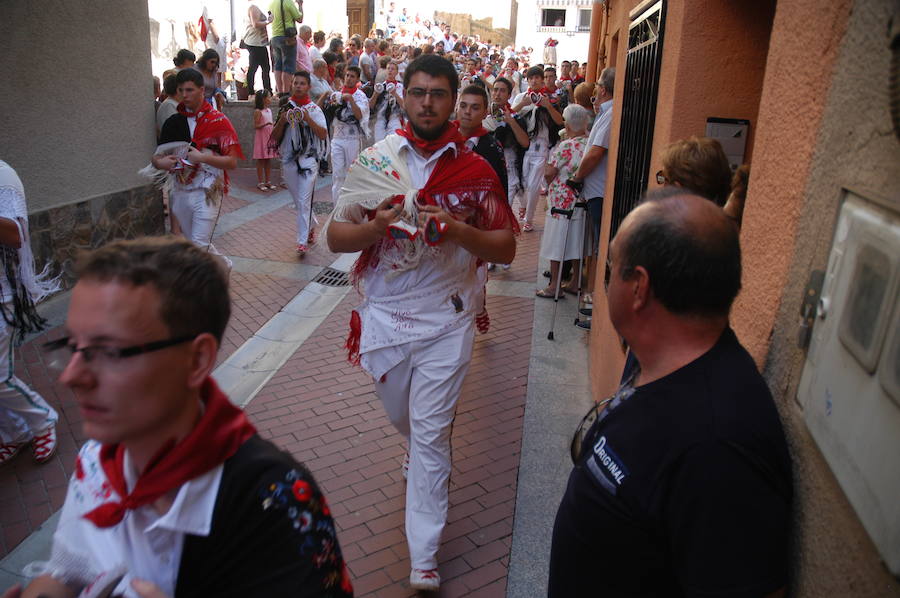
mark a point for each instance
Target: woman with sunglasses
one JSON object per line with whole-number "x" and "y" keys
{"x": 208, "y": 65}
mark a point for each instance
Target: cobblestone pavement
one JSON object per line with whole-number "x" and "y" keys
{"x": 324, "y": 411}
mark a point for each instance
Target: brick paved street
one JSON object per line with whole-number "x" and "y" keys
{"x": 324, "y": 411}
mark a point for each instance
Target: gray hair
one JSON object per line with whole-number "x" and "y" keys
{"x": 319, "y": 63}
{"x": 608, "y": 79}
{"x": 304, "y": 29}
{"x": 577, "y": 117}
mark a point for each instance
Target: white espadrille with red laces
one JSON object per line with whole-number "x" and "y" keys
{"x": 8, "y": 451}
{"x": 425, "y": 579}
{"x": 43, "y": 445}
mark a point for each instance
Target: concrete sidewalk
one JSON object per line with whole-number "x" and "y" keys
{"x": 520, "y": 402}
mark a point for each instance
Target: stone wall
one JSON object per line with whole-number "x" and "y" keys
{"x": 60, "y": 233}
{"x": 464, "y": 24}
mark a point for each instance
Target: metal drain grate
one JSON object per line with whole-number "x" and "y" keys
{"x": 332, "y": 278}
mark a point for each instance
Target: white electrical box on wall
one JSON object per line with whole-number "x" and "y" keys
{"x": 731, "y": 133}
{"x": 850, "y": 386}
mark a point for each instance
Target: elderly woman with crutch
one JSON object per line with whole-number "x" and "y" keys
{"x": 564, "y": 226}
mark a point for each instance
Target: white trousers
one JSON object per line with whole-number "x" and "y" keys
{"x": 532, "y": 179}
{"x": 382, "y": 129}
{"x": 344, "y": 151}
{"x": 419, "y": 395}
{"x": 197, "y": 218}
{"x": 301, "y": 187}
{"x": 513, "y": 185}
{"x": 23, "y": 412}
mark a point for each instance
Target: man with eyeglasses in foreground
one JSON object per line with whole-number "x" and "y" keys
{"x": 682, "y": 484}
{"x": 423, "y": 209}
{"x": 174, "y": 494}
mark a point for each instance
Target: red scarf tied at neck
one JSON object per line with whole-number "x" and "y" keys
{"x": 213, "y": 130}
{"x": 301, "y": 100}
{"x": 479, "y": 132}
{"x": 221, "y": 431}
{"x": 450, "y": 134}
{"x": 350, "y": 90}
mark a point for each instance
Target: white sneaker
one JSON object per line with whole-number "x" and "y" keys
{"x": 422, "y": 579}
{"x": 404, "y": 468}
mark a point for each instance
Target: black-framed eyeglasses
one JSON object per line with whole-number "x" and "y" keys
{"x": 62, "y": 349}
{"x": 419, "y": 93}
{"x": 584, "y": 428}
{"x": 661, "y": 178}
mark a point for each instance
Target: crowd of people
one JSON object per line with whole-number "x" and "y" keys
{"x": 440, "y": 148}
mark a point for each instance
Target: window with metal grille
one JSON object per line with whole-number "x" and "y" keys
{"x": 553, "y": 17}
{"x": 638, "y": 103}
{"x": 584, "y": 19}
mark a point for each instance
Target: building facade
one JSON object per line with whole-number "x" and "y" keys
{"x": 808, "y": 86}
{"x": 566, "y": 21}
{"x": 78, "y": 122}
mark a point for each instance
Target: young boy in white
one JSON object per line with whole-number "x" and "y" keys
{"x": 348, "y": 133}
{"x": 301, "y": 134}
{"x": 542, "y": 123}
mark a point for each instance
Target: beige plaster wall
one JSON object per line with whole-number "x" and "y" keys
{"x": 796, "y": 201}
{"x": 76, "y": 104}
{"x": 806, "y": 36}
{"x": 714, "y": 57}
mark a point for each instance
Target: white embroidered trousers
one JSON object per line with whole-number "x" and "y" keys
{"x": 344, "y": 151}
{"x": 419, "y": 395}
{"x": 301, "y": 187}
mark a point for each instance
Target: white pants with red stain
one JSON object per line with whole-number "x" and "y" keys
{"x": 23, "y": 412}
{"x": 419, "y": 395}
{"x": 533, "y": 165}
{"x": 344, "y": 151}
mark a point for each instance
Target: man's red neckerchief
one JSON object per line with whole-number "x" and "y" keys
{"x": 450, "y": 134}
{"x": 350, "y": 90}
{"x": 221, "y": 431}
{"x": 479, "y": 132}
{"x": 301, "y": 100}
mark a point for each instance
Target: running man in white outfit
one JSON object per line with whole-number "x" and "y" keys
{"x": 423, "y": 209}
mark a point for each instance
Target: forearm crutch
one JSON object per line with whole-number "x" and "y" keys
{"x": 582, "y": 204}
{"x": 568, "y": 215}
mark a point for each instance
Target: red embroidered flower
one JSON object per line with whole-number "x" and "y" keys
{"x": 395, "y": 174}
{"x": 345, "y": 580}
{"x": 302, "y": 491}
{"x": 79, "y": 470}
